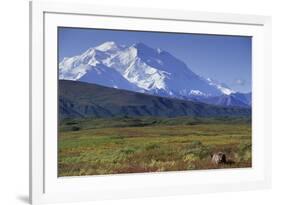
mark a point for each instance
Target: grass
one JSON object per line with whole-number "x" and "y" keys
{"x": 130, "y": 145}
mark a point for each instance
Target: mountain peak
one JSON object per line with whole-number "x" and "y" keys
{"x": 109, "y": 45}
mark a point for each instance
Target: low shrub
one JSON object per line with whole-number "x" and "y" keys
{"x": 75, "y": 128}
{"x": 161, "y": 165}
{"x": 197, "y": 149}
{"x": 152, "y": 146}
{"x": 244, "y": 151}
{"x": 128, "y": 150}
{"x": 190, "y": 158}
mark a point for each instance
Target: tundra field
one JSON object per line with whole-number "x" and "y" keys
{"x": 94, "y": 146}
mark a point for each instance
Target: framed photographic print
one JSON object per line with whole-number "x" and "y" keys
{"x": 129, "y": 102}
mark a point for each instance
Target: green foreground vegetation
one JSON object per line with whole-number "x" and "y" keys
{"x": 132, "y": 145}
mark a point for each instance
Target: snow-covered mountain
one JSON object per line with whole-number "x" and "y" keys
{"x": 221, "y": 86}
{"x": 232, "y": 100}
{"x": 139, "y": 68}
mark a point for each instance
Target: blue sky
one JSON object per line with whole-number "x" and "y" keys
{"x": 224, "y": 58}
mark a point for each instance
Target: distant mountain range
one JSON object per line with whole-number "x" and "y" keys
{"x": 142, "y": 69}
{"x": 79, "y": 99}
{"x": 231, "y": 100}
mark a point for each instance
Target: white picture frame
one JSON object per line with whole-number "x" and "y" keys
{"x": 46, "y": 187}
